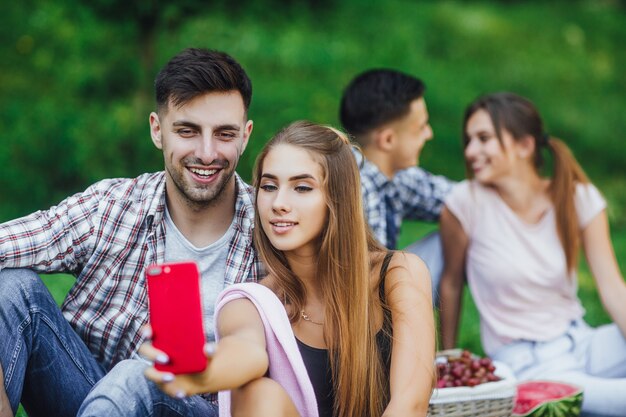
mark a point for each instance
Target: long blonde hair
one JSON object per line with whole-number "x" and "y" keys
{"x": 520, "y": 118}
{"x": 343, "y": 268}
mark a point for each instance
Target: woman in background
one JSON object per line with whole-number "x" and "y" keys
{"x": 515, "y": 235}
{"x": 362, "y": 317}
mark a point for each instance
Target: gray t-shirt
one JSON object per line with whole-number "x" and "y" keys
{"x": 211, "y": 262}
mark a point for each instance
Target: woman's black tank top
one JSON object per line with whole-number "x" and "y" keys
{"x": 317, "y": 362}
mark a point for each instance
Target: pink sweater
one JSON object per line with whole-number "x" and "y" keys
{"x": 285, "y": 362}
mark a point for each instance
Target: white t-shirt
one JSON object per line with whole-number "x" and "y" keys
{"x": 516, "y": 271}
{"x": 211, "y": 262}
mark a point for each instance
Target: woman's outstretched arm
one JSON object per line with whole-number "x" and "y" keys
{"x": 409, "y": 296}
{"x": 239, "y": 358}
{"x": 600, "y": 256}
{"x": 455, "y": 242}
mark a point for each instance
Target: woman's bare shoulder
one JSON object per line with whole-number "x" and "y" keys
{"x": 407, "y": 262}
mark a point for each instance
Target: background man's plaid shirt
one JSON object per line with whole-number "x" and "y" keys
{"x": 106, "y": 236}
{"x": 415, "y": 194}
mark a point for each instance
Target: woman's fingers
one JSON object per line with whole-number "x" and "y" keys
{"x": 159, "y": 377}
{"x": 167, "y": 382}
{"x": 153, "y": 354}
{"x": 146, "y": 331}
{"x": 209, "y": 349}
{"x": 177, "y": 386}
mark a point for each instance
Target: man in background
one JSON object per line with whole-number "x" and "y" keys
{"x": 385, "y": 113}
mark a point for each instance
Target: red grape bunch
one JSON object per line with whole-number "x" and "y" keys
{"x": 466, "y": 370}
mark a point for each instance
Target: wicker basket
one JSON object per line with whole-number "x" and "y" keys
{"x": 492, "y": 399}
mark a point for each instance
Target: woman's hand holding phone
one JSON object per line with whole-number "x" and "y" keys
{"x": 176, "y": 315}
{"x": 179, "y": 353}
{"x": 175, "y": 385}
{"x": 182, "y": 363}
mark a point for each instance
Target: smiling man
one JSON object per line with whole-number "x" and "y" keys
{"x": 197, "y": 208}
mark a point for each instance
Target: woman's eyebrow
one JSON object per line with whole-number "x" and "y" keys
{"x": 293, "y": 178}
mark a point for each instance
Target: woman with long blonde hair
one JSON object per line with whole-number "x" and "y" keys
{"x": 362, "y": 317}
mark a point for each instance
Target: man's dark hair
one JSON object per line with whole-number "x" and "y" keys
{"x": 376, "y": 97}
{"x": 196, "y": 71}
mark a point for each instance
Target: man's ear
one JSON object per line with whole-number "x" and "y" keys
{"x": 155, "y": 130}
{"x": 247, "y": 131}
{"x": 384, "y": 139}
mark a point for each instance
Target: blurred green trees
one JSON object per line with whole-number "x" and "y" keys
{"x": 76, "y": 77}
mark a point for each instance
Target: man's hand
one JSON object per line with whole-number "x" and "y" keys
{"x": 5, "y": 406}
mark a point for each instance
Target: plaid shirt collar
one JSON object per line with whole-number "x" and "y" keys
{"x": 370, "y": 172}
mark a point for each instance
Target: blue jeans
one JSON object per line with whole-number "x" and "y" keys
{"x": 125, "y": 392}
{"x": 592, "y": 358}
{"x": 46, "y": 365}
{"x": 430, "y": 250}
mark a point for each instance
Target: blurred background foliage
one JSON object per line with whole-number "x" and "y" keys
{"x": 76, "y": 78}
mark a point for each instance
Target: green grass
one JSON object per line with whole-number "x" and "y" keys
{"x": 59, "y": 285}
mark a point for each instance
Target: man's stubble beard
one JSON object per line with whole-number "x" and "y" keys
{"x": 198, "y": 198}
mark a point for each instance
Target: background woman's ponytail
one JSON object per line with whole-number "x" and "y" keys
{"x": 566, "y": 173}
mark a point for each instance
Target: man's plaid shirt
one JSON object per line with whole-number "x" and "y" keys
{"x": 106, "y": 236}
{"x": 413, "y": 193}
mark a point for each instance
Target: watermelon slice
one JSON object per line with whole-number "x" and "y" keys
{"x": 547, "y": 399}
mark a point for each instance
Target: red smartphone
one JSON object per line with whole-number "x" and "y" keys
{"x": 176, "y": 316}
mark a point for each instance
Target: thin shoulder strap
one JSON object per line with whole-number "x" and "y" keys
{"x": 381, "y": 291}
{"x": 383, "y": 271}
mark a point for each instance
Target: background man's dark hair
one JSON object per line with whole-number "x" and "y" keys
{"x": 196, "y": 71}
{"x": 376, "y": 97}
